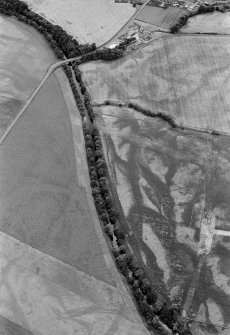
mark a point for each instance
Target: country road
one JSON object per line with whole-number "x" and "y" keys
{"x": 52, "y": 68}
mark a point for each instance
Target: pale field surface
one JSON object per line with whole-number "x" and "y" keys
{"x": 8, "y": 327}
{"x": 41, "y": 202}
{"x": 57, "y": 276}
{"x": 168, "y": 178}
{"x": 35, "y": 295}
{"x": 208, "y": 23}
{"x": 142, "y": 77}
{"x": 24, "y": 59}
{"x": 89, "y": 21}
{"x": 161, "y": 17}
{"x": 184, "y": 76}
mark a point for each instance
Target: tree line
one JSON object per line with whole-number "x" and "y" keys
{"x": 202, "y": 10}
{"x": 63, "y": 44}
{"x": 165, "y": 318}
{"x": 162, "y": 317}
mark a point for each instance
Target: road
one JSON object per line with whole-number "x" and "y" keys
{"x": 129, "y": 22}
{"x": 52, "y": 68}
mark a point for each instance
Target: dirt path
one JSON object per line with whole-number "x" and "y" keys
{"x": 130, "y": 21}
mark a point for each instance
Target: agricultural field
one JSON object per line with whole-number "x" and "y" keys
{"x": 57, "y": 275}
{"x": 184, "y": 76}
{"x": 89, "y": 21}
{"x": 161, "y": 17}
{"x": 208, "y": 23}
{"x": 24, "y": 59}
{"x": 173, "y": 195}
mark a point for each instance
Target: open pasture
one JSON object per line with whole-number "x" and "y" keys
{"x": 166, "y": 180}
{"x": 89, "y": 21}
{"x": 25, "y": 57}
{"x": 184, "y": 76}
{"x": 161, "y": 17}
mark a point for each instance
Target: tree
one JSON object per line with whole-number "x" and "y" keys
{"x": 109, "y": 231}
{"x": 145, "y": 286}
{"x": 122, "y": 249}
{"x": 95, "y": 191}
{"x": 119, "y": 234}
{"x": 93, "y": 175}
{"x": 101, "y": 163}
{"x": 104, "y": 190}
{"x": 151, "y": 297}
{"x": 103, "y": 181}
{"x": 108, "y": 201}
{"x": 105, "y": 217}
{"x": 145, "y": 309}
{"x": 138, "y": 273}
{"x": 138, "y": 295}
{"x": 93, "y": 183}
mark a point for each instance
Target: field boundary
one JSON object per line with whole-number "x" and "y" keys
{"x": 76, "y": 124}
{"x": 149, "y": 113}
{"x": 51, "y": 69}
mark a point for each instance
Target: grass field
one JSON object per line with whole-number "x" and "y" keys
{"x": 87, "y": 20}
{"x": 57, "y": 276}
{"x": 184, "y": 76}
{"x": 166, "y": 180}
{"x": 24, "y": 59}
{"x": 208, "y": 23}
{"x": 161, "y": 17}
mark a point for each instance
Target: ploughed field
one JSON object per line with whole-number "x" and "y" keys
{"x": 173, "y": 195}
{"x": 163, "y": 18}
{"x": 184, "y": 76}
{"x": 24, "y": 59}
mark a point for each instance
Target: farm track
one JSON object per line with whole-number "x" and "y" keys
{"x": 126, "y": 24}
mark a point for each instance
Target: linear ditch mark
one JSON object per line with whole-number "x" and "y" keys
{"x": 160, "y": 115}
{"x": 177, "y": 103}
